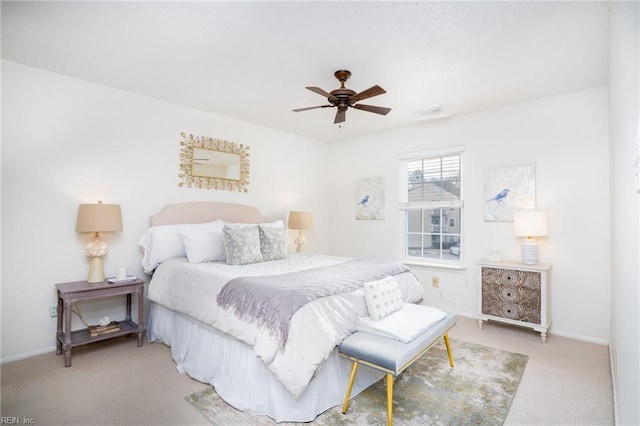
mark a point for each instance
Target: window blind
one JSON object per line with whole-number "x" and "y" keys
{"x": 430, "y": 181}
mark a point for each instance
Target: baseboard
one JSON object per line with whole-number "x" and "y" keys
{"x": 25, "y": 355}
{"x": 579, "y": 337}
{"x": 553, "y": 332}
{"x": 467, "y": 315}
{"x": 614, "y": 384}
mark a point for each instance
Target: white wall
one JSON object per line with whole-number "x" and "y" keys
{"x": 624, "y": 110}
{"x": 66, "y": 142}
{"x": 566, "y": 137}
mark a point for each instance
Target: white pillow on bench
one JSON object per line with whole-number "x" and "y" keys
{"x": 383, "y": 297}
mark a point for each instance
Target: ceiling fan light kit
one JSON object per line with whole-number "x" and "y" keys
{"x": 344, "y": 98}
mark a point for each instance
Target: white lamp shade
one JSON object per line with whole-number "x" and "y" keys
{"x": 530, "y": 224}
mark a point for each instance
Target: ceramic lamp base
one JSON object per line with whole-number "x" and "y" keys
{"x": 530, "y": 252}
{"x": 96, "y": 271}
{"x": 300, "y": 242}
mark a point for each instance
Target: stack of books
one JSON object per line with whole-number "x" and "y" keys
{"x": 97, "y": 330}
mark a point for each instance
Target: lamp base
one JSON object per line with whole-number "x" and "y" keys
{"x": 300, "y": 242}
{"x": 530, "y": 252}
{"x": 96, "y": 271}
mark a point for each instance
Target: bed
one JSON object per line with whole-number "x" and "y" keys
{"x": 260, "y": 359}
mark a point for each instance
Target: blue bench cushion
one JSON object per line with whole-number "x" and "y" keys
{"x": 389, "y": 354}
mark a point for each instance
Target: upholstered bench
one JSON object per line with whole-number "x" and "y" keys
{"x": 391, "y": 356}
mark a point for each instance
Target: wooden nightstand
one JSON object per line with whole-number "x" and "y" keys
{"x": 71, "y": 292}
{"x": 515, "y": 293}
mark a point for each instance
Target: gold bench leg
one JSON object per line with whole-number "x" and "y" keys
{"x": 449, "y": 353}
{"x": 352, "y": 378}
{"x": 389, "y": 399}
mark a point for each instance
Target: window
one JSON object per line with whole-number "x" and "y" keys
{"x": 431, "y": 199}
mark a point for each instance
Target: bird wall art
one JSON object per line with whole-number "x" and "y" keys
{"x": 508, "y": 190}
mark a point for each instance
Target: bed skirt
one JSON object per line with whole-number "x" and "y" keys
{"x": 241, "y": 379}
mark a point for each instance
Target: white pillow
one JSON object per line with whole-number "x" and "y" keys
{"x": 383, "y": 297}
{"x": 164, "y": 242}
{"x": 160, "y": 243}
{"x": 203, "y": 246}
{"x": 275, "y": 224}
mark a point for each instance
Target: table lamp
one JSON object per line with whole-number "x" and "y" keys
{"x": 98, "y": 218}
{"x": 300, "y": 220}
{"x": 530, "y": 224}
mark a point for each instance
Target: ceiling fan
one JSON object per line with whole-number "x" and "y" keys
{"x": 344, "y": 98}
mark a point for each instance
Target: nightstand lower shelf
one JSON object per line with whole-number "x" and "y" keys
{"x": 82, "y": 337}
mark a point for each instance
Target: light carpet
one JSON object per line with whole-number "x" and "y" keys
{"x": 477, "y": 391}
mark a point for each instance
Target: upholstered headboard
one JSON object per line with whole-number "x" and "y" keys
{"x": 206, "y": 211}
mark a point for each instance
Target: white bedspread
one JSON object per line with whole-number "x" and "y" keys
{"x": 315, "y": 329}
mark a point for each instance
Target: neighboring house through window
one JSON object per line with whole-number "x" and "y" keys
{"x": 431, "y": 198}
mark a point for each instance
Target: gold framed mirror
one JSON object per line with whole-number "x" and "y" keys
{"x": 211, "y": 163}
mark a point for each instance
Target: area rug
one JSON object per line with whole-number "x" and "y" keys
{"x": 477, "y": 391}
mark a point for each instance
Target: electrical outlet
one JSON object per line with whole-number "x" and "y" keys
{"x": 435, "y": 281}
{"x": 53, "y": 311}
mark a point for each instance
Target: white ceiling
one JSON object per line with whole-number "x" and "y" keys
{"x": 252, "y": 60}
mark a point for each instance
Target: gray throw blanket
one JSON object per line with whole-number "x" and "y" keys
{"x": 271, "y": 301}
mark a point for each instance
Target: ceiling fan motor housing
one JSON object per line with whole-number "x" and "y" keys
{"x": 341, "y": 97}
{"x": 342, "y": 94}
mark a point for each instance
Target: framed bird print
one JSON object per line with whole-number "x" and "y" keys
{"x": 369, "y": 201}
{"x": 508, "y": 190}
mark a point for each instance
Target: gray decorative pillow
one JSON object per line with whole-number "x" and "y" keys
{"x": 242, "y": 245}
{"x": 273, "y": 243}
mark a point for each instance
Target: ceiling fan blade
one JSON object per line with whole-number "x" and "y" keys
{"x": 372, "y": 108}
{"x": 319, "y": 91}
{"x": 366, "y": 94}
{"x": 340, "y": 116}
{"x": 313, "y": 107}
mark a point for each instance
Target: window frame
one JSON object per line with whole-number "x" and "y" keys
{"x": 428, "y": 207}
